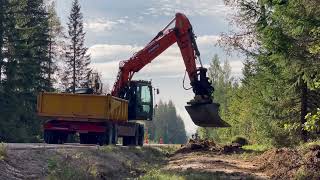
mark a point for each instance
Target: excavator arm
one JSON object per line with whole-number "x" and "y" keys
{"x": 202, "y": 110}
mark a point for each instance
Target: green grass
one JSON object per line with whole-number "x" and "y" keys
{"x": 311, "y": 143}
{"x": 168, "y": 150}
{"x": 252, "y": 150}
{"x": 160, "y": 175}
{"x": 186, "y": 175}
{"x": 62, "y": 169}
{"x": 256, "y": 147}
{"x": 3, "y": 151}
{"x": 304, "y": 147}
{"x": 108, "y": 149}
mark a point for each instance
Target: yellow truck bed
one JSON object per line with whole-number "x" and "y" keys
{"x": 82, "y": 107}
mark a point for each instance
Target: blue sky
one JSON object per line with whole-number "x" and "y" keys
{"x": 117, "y": 29}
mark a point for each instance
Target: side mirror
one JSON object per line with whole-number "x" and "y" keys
{"x": 158, "y": 91}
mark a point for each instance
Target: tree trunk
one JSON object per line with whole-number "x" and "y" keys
{"x": 74, "y": 69}
{"x": 50, "y": 60}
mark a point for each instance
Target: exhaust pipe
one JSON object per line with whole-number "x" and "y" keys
{"x": 206, "y": 115}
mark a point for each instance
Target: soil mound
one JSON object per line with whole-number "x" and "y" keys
{"x": 311, "y": 165}
{"x": 280, "y": 162}
{"x": 208, "y": 145}
{"x": 288, "y": 163}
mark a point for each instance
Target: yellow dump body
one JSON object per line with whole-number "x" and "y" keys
{"x": 80, "y": 107}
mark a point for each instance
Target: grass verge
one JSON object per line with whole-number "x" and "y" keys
{"x": 305, "y": 146}
{"x": 251, "y": 151}
{"x": 256, "y": 147}
{"x": 62, "y": 169}
{"x": 186, "y": 175}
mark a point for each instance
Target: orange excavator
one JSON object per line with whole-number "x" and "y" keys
{"x": 202, "y": 110}
{"x": 103, "y": 118}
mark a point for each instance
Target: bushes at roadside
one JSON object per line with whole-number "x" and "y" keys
{"x": 240, "y": 140}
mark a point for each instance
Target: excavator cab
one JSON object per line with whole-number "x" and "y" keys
{"x": 140, "y": 97}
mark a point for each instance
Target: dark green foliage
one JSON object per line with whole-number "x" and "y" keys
{"x": 167, "y": 125}
{"x": 281, "y": 73}
{"x": 23, "y": 62}
{"x": 77, "y": 68}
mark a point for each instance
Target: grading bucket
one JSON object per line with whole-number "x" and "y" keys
{"x": 206, "y": 115}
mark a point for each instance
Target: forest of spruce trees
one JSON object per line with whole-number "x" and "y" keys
{"x": 276, "y": 101}
{"x": 36, "y": 55}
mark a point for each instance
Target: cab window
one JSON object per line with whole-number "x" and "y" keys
{"x": 145, "y": 94}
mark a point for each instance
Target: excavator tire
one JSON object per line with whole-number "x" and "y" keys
{"x": 140, "y": 135}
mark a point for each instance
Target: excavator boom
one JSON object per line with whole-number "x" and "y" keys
{"x": 202, "y": 110}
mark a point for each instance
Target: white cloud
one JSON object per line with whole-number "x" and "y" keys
{"x": 188, "y": 7}
{"x": 106, "y": 58}
{"x": 168, "y": 64}
{"x": 102, "y": 25}
{"x": 112, "y": 52}
{"x": 208, "y": 40}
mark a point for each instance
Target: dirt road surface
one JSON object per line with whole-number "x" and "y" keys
{"x": 39, "y": 161}
{"x": 219, "y": 166}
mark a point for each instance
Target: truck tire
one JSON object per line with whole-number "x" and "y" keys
{"x": 115, "y": 134}
{"x": 108, "y": 136}
{"x": 126, "y": 140}
{"x": 61, "y": 137}
{"x": 51, "y": 137}
{"x": 84, "y": 138}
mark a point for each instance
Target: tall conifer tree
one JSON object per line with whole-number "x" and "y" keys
{"x": 77, "y": 59}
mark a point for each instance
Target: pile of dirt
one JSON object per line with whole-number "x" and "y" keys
{"x": 209, "y": 145}
{"x": 286, "y": 163}
{"x": 311, "y": 165}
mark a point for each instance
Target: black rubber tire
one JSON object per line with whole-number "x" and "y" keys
{"x": 128, "y": 141}
{"x": 141, "y": 135}
{"x": 93, "y": 138}
{"x": 51, "y": 137}
{"x": 134, "y": 140}
{"x": 108, "y": 134}
{"x": 114, "y": 135}
{"x": 61, "y": 137}
{"x": 124, "y": 141}
{"x": 101, "y": 139}
{"x": 83, "y": 138}
{"x": 45, "y": 137}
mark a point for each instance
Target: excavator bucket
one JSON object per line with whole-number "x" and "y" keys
{"x": 206, "y": 115}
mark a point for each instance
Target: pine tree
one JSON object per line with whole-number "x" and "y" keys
{"x": 26, "y": 55}
{"x": 282, "y": 38}
{"x": 56, "y": 45}
{"x": 77, "y": 59}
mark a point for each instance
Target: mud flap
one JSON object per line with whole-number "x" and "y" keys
{"x": 206, "y": 115}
